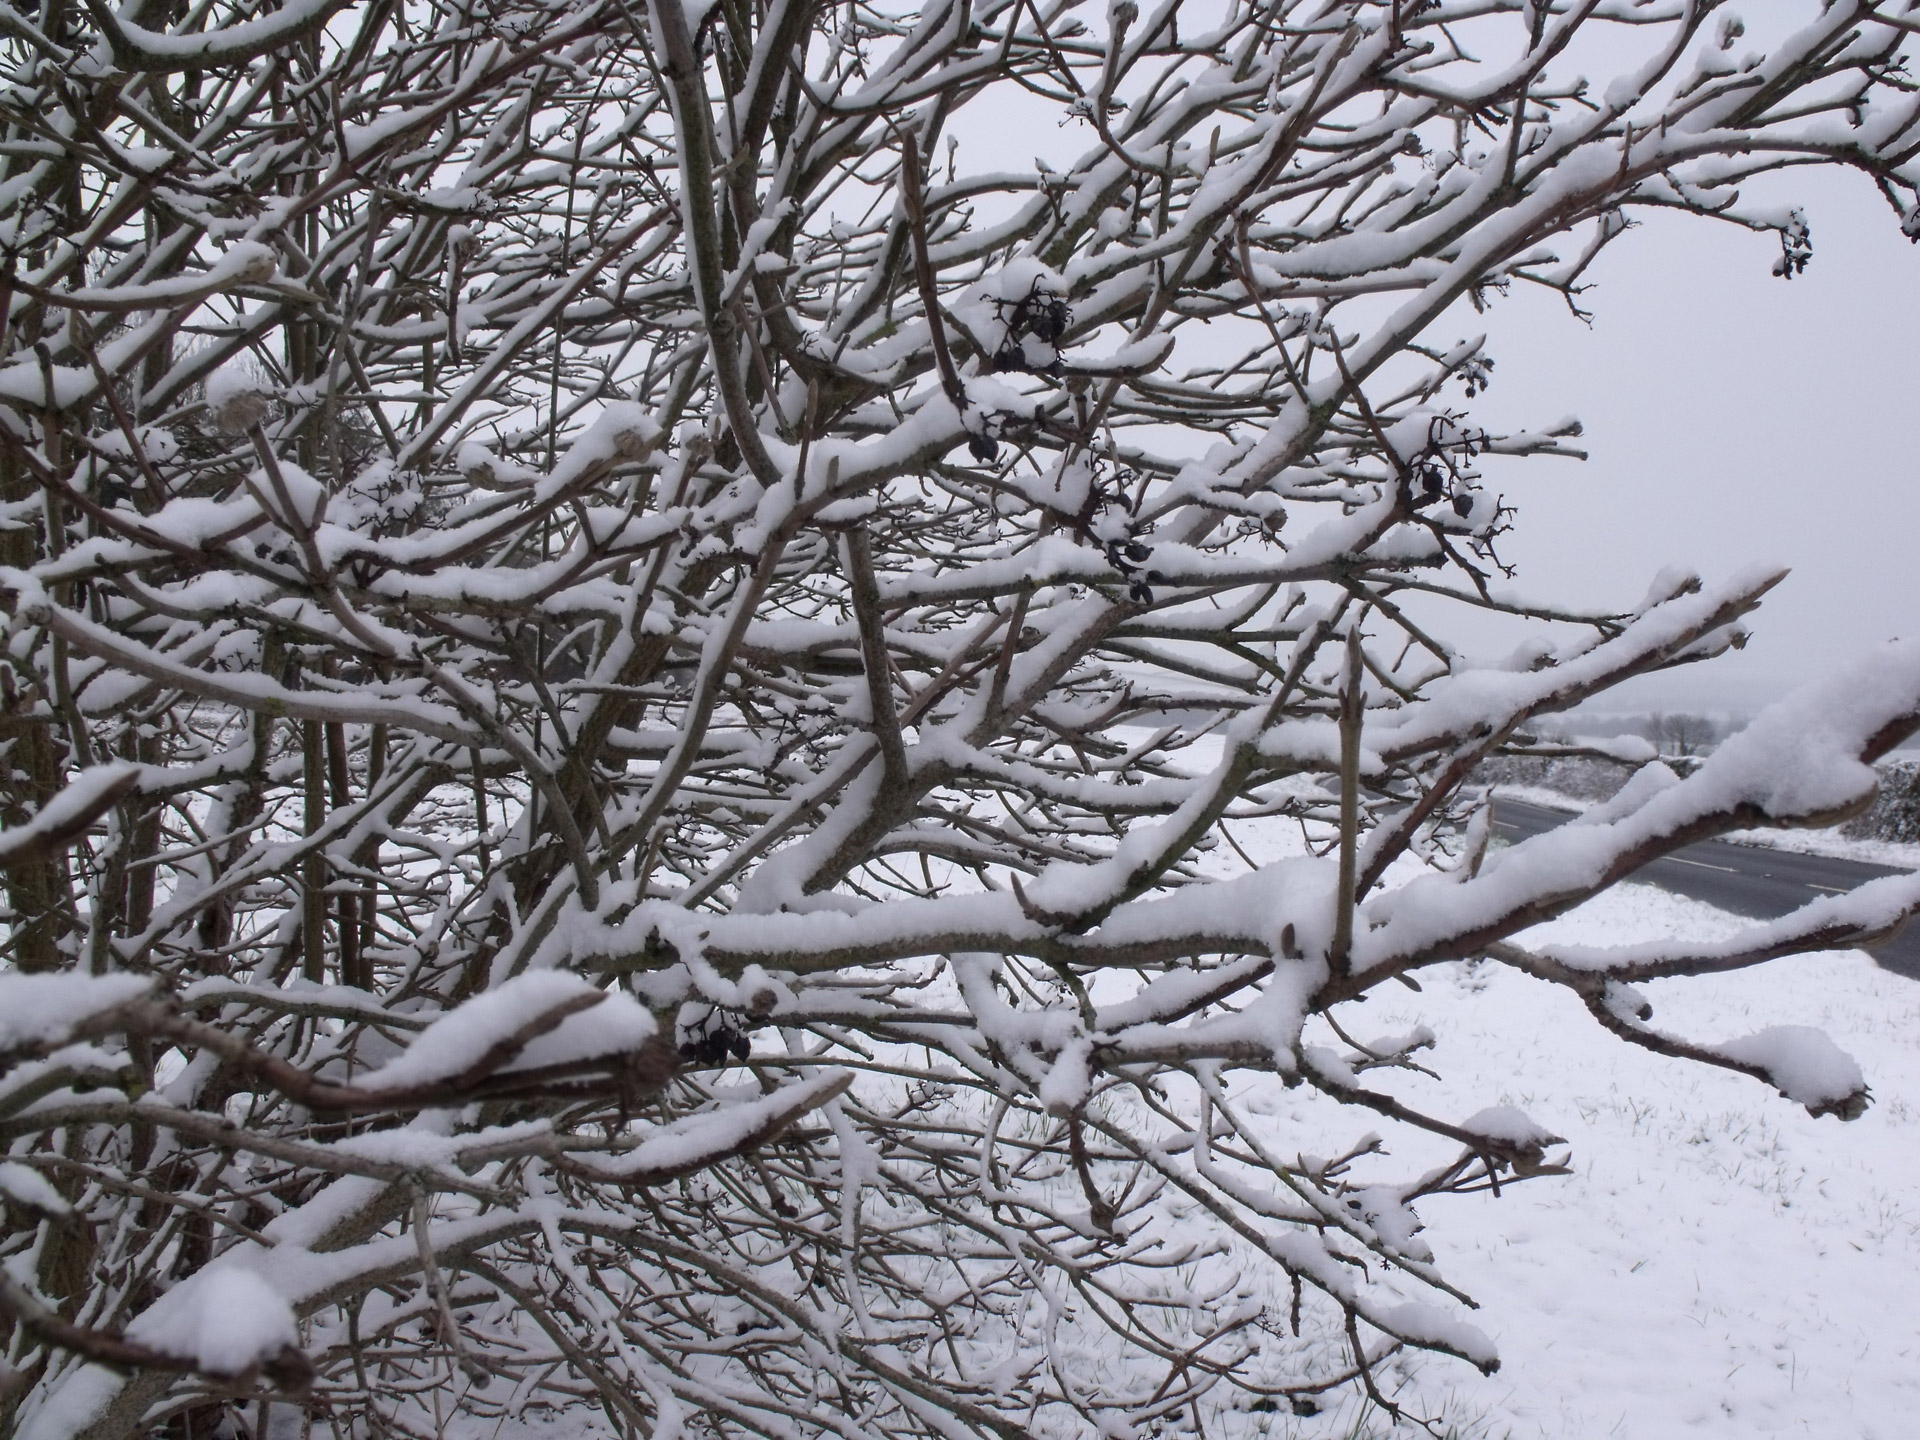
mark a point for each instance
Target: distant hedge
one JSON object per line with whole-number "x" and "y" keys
{"x": 1896, "y": 813}
{"x": 1576, "y": 777}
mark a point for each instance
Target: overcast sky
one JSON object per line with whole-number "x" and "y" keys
{"x": 1731, "y": 416}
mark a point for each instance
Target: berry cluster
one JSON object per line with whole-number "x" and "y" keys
{"x": 712, "y": 1039}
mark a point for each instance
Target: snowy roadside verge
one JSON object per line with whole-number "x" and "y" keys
{"x": 1719, "y": 1265}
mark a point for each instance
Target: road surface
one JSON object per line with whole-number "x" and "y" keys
{"x": 1746, "y": 879}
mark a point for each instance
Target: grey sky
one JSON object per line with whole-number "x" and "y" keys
{"x": 1731, "y": 416}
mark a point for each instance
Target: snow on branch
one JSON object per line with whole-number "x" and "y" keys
{"x": 683, "y": 733}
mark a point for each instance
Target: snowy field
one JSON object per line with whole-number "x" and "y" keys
{"x": 1720, "y": 1264}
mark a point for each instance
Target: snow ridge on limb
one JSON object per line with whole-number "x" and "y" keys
{"x": 1802, "y": 1063}
{"x": 546, "y": 1033}
{"x": 41, "y": 1013}
{"x": 695, "y": 1142}
{"x": 69, "y": 814}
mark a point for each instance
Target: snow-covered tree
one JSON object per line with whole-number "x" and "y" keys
{"x": 1682, "y": 734}
{"x": 641, "y": 667}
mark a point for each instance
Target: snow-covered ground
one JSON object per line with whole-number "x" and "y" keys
{"x": 1719, "y": 1264}
{"x": 1832, "y": 844}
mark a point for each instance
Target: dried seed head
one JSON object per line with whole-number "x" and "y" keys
{"x": 632, "y": 431}
{"x": 252, "y": 264}
{"x": 238, "y": 397}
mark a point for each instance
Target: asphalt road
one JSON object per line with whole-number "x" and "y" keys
{"x": 1746, "y": 879}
